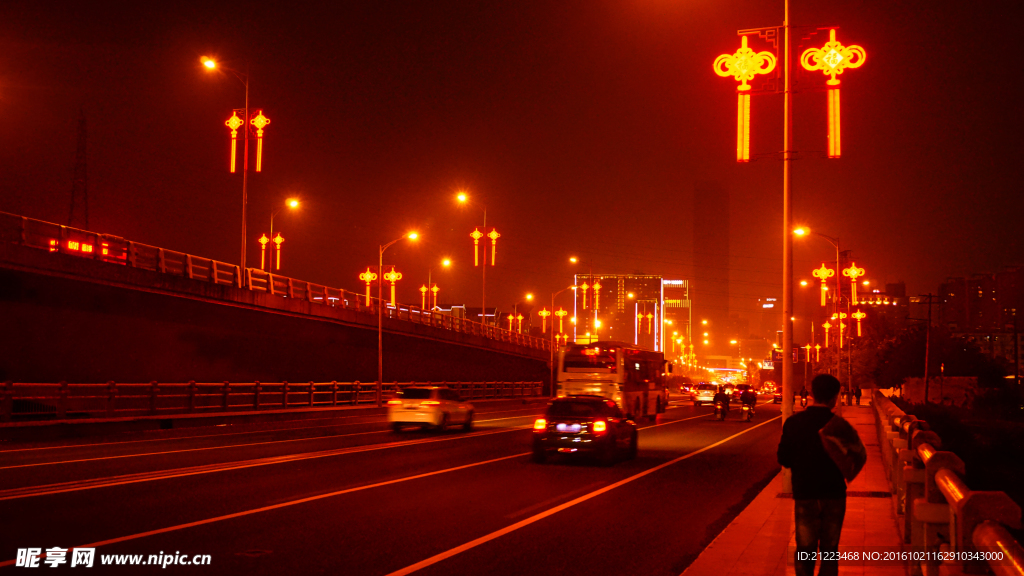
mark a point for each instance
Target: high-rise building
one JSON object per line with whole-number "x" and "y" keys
{"x": 633, "y": 308}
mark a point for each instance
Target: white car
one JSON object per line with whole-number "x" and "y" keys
{"x": 429, "y": 406}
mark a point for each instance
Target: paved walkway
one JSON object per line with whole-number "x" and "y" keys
{"x": 756, "y": 542}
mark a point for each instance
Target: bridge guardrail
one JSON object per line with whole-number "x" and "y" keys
{"x": 116, "y": 250}
{"x": 25, "y": 401}
{"x": 940, "y": 512}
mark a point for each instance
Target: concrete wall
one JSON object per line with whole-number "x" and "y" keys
{"x": 65, "y": 318}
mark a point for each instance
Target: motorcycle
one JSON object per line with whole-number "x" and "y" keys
{"x": 803, "y": 401}
{"x": 719, "y": 410}
{"x": 748, "y": 412}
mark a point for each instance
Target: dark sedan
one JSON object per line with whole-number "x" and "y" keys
{"x": 584, "y": 424}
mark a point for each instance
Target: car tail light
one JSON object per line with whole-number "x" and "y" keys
{"x": 394, "y": 401}
{"x": 430, "y": 402}
{"x": 600, "y": 426}
{"x": 540, "y": 424}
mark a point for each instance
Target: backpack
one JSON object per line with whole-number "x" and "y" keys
{"x": 843, "y": 445}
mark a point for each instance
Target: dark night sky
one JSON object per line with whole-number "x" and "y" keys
{"x": 583, "y": 125}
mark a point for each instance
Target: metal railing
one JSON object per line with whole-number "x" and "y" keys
{"x": 114, "y": 249}
{"x": 940, "y": 512}
{"x": 62, "y": 400}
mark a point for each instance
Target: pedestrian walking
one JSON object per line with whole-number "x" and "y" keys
{"x": 857, "y": 393}
{"x": 824, "y": 452}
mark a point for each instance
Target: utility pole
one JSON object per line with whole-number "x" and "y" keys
{"x": 927, "y": 346}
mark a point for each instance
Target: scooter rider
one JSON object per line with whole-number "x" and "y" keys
{"x": 749, "y": 398}
{"x": 722, "y": 397}
{"x": 803, "y": 395}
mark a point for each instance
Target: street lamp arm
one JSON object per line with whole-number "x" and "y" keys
{"x": 833, "y": 241}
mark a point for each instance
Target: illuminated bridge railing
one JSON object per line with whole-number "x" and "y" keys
{"x": 118, "y": 400}
{"x": 116, "y": 250}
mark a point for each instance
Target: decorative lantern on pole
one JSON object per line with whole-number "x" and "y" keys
{"x": 260, "y": 122}
{"x": 423, "y": 297}
{"x": 743, "y": 66}
{"x": 393, "y": 277}
{"x": 511, "y": 319}
{"x": 650, "y": 321}
{"x": 858, "y": 316}
{"x": 853, "y": 273}
{"x": 369, "y": 276}
{"x": 832, "y": 59}
{"x": 544, "y": 313}
{"x": 476, "y": 235}
{"x": 561, "y": 314}
{"x": 584, "y": 287}
{"x": 827, "y": 326}
{"x": 493, "y": 235}
{"x": 234, "y": 123}
{"x": 278, "y": 240}
{"x": 434, "y": 290}
{"x": 817, "y": 352}
{"x": 263, "y": 251}
{"x": 597, "y": 294}
{"x": 824, "y": 273}
{"x": 519, "y": 322}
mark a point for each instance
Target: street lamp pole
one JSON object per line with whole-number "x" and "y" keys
{"x": 787, "y": 237}
{"x": 211, "y": 64}
{"x": 380, "y": 314}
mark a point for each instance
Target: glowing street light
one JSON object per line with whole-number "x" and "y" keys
{"x": 291, "y": 203}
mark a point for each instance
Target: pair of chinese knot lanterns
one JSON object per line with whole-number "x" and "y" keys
{"x": 745, "y": 64}
{"x": 392, "y": 276}
{"x": 259, "y": 121}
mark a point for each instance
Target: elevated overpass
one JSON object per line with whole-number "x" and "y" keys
{"x": 81, "y": 306}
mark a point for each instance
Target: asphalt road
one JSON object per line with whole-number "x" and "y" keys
{"x": 348, "y": 496}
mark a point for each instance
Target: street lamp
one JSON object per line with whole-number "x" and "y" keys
{"x": 463, "y": 198}
{"x": 445, "y": 263}
{"x": 211, "y": 65}
{"x": 291, "y": 203}
{"x": 803, "y": 231}
{"x": 380, "y": 312}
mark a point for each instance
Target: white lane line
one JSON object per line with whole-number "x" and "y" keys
{"x": 552, "y": 511}
{"x": 169, "y": 439}
{"x": 330, "y": 494}
{"x": 224, "y": 447}
{"x": 282, "y": 505}
{"x": 77, "y": 485}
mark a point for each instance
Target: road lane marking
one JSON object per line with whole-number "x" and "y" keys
{"x": 224, "y": 447}
{"x": 552, "y": 511}
{"x": 327, "y": 495}
{"x": 77, "y": 485}
{"x": 283, "y": 505}
{"x": 171, "y": 438}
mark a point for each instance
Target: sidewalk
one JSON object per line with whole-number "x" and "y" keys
{"x": 756, "y": 542}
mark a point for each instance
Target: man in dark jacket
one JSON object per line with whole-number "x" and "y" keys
{"x": 819, "y": 488}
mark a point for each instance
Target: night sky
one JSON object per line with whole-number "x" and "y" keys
{"x": 583, "y": 126}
